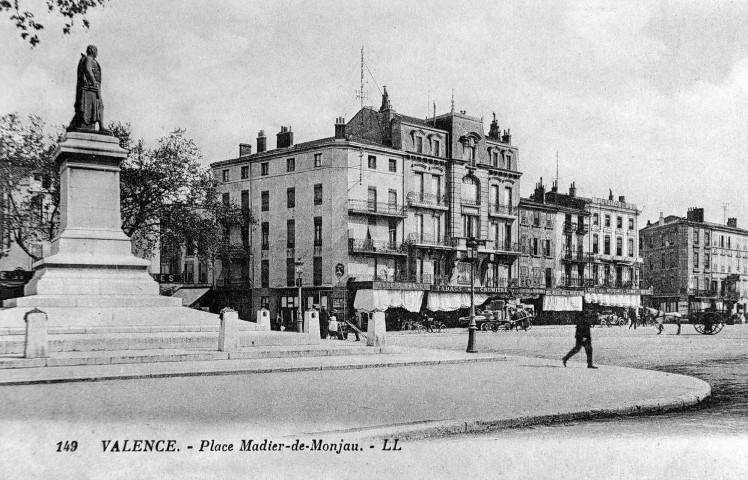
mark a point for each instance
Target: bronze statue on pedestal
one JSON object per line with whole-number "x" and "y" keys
{"x": 89, "y": 108}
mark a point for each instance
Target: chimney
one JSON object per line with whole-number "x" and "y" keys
{"x": 662, "y": 219}
{"x": 340, "y": 128}
{"x": 539, "y": 191}
{"x": 610, "y": 195}
{"x": 494, "y": 131}
{"x": 695, "y": 214}
{"x": 507, "y": 137}
{"x": 245, "y": 149}
{"x": 573, "y": 190}
{"x": 554, "y": 187}
{"x": 732, "y": 222}
{"x": 261, "y": 142}
{"x": 622, "y": 199}
{"x": 285, "y": 138}
{"x": 386, "y": 105}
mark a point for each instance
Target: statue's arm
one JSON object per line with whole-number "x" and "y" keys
{"x": 90, "y": 74}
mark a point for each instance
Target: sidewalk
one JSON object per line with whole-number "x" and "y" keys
{"x": 403, "y": 392}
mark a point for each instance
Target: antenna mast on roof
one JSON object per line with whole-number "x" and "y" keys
{"x": 453, "y": 100}
{"x": 556, "y": 167}
{"x": 724, "y": 211}
{"x": 361, "y": 94}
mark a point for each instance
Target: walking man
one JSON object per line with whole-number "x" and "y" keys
{"x": 633, "y": 315}
{"x": 583, "y": 338}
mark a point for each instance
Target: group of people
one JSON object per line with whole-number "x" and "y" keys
{"x": 330, "y": 327}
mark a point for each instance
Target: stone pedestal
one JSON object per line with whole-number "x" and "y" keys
{"x": 229, "y": 339}
{"x": 36, "y": 335}
{"x": 311, "y": 325}
{"x": 376, "y": 332}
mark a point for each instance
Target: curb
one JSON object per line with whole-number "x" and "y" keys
{"x": 428, "y": 429}
{"x": 247, "y": 371}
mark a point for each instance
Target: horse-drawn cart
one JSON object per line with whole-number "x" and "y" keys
{"x": 707, "y": 322}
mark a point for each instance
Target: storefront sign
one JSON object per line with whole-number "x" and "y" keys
{"x": 399, "y": 286}
{"x": 167, "y": 277}
{"x": 16, "y": 275}
{"x": 462, "y": 289}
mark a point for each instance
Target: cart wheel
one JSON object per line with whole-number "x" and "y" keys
{"x": 603, "y": 323}
{"x": 421, "y": 329}
{"x": 507, "y": 326}
{"x": 495, "y": 326}
{"x": 484, "y": 326}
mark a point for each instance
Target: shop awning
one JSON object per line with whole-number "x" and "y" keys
{"x": 449, "y": 301}
{"x": 562, "y": 303}
{"x": 190, "y": 295}
{"x": 369, "y": 300}
{"x": 613, "y": 299}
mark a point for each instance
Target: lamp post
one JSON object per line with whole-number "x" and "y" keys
{"x": 472, "y": 245}
{"x": 299, "y": 315}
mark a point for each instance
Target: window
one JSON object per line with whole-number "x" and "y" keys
{"x": 290, "y": 233}
{"x": 437, "y": 148}
{"x": 437, "y": 223}
{"x": 419, "y": 144}
{"x": 631, "y": 223}
{"x": 371, "y": 200}
{"x": 318, "y": 194}
{"x": 265, "y": 201}
{"x": 508, "y": 197}
{"x": 291, "y": 197}
{"x": 317, "y": 159}
{"x": 546, "y": 248}
{"x": 317, "y": 231}
{"x": 619, "y": 222}
{"x": 606, "y": 245}
{"x": 469, "y": 153}
{"x": 436, "y": 188}
{"x": 534, "y": 247}
{"x": 245, "y": 236}
{"x": 470, "y": 193}
{"x": 265, "y": 239}
{"x": 392, "y": 199}
{"x": 619, "y": 246}
{"x": 707, "y": 239}
{"x": 596, "y": 219}
{"x": 419, "y": 227}
{"x": 535, "y": 219}
{"x": 494, "y": 199}
{"x": 393, "y": 165}
{"x": 317, "y": 278}
{"x": 631, "y": 247}
{"x": 508, "y": 162}
{"x": 245, "y": 202}
{"x": 696, "y": 234}
{"x": 226, "y": 199}
{"x": 695, "y": 260}
{"x": 265, "y": 274}
{"x": 264, "y": 169}
{"x": 245, "y": 172}
{"x": 470, "y": 225}
{"x": 372, "y": 162}
{"x": 290, "y": 272}
{"x": 495, "y": 158}
{"x": 393, "y": 233}
{"x": 419, "y": 185}
{"x": 225, "y": 175}
{"x": 291, "y": 165}
{"x": 595, "y": 243}
{"x": 607, "y": 220}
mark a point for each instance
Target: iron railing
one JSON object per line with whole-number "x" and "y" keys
{"x": 426, "y": 199}
{"x": 429, "y": 239}
{"x": 495, "y": 209}
{"x": 382, "y": 247}
{"x": 376, "y": 208}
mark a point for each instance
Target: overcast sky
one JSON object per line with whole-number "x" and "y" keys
{"x": 648, "y": 100}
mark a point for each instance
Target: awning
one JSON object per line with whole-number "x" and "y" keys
{"x": 370, "y": 300}
{"x": 449, "y": 301}
{"x": 562, "y": 303}
{"x": 613, "y": 299}
{"x": 190, "y": 295}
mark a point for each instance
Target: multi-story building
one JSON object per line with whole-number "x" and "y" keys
{"x": 579, "y": 246}
{"x": 689, "y": 260}
{"x": 386, "y": 205}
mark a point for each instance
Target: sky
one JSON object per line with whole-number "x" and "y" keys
{"x": 647, "y": 99}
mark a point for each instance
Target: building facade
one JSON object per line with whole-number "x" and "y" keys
{"x": 688, "y": 260}
{"x": 386, "y": 204}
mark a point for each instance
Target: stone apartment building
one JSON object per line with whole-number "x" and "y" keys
{"x": 688, "y": 260}
{"x": 385, "y": 206}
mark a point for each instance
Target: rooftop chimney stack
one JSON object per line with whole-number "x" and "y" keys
{"x": 245, "y": 149}
{"x": 507, "y": 136}
{"x": 732, "y": 222}
{"x": 284, "y": 138}
{"x": 554, "y": 187}
{"x": 662, "y": 219}
{"x": 494, "y": 132}
{"x": 695, "y": 215}
{"x": 340, "y": 128}
{"x": 261, "y": 142}
{"x": 622, "y": 199}
{"x": 573, "y": 190}
{"x": 540, "y": 191}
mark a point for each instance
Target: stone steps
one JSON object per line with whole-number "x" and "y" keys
{"x": 189, "y": 340}
{"x": 114, "y": 357}
{"x": 153, "y": 329}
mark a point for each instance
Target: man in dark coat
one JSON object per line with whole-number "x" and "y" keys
{"x": 583, "y": 338}
{"x": 324, "y": 321}
{"x": 89, "y": 108}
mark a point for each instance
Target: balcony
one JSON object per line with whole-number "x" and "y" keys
{"x": 429, "y": 240}
{"x": 503, "y": 247}
{"x": 365, "y": 207}
{"x": 502, "y": 211}
{"x": 375, "y": 247}
{"x": 573, "y": 282}
{"x": 426, "y": 278}
{"x": 427, "y": 200}
{"x": 578, "y": 256}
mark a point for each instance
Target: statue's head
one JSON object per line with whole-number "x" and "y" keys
{"x": 91, "y": 50}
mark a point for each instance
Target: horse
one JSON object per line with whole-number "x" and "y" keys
{"x": 661, "y": 317}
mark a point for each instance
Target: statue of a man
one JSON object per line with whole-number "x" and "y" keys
{"x": 89, "y": 108}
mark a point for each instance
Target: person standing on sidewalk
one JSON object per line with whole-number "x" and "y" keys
{"x": 324, "y": 321}
{"x": 583, "y": 338}
{"x": 633, "y": 317}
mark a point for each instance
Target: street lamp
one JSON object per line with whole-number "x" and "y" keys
{"x": 299, "y": 270}
{"x": 472, "y": 245}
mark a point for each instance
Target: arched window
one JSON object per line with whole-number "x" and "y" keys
{"x": 470, "y": 190}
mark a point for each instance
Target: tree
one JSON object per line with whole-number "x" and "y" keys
{"x": 29, "y": 184}
{"x": 27, "y": 24}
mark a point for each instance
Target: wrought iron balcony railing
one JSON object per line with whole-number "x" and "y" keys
{"x": 426, "y": 199}
{"x": 382, "y": 247}
{"x": 429, "y": 239}
{"x": 495, "y": 209}
{"x": 376, "y": 208}
{"x": 426, "y": 278}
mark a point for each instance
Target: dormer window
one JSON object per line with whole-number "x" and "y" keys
{"x": 468, "y": 153}
{"x": 437, "y": 148}
{"x": 419, "y": 144}
{"x": 495, "y": 158}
